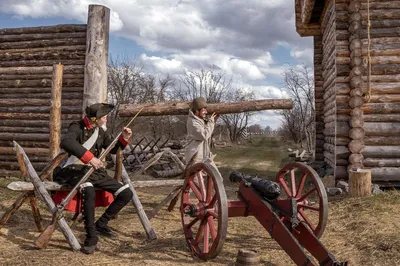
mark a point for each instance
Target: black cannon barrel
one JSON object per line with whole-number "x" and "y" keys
{"x": 266, "y": 188}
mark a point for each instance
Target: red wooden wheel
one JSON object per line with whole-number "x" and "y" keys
{"x": 204, "y": 210}
{"x": 300, "y": 181}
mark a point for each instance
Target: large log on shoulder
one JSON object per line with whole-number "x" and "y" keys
{"x": 182, "y": 108}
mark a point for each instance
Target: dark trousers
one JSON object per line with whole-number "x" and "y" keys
{"x": 99, "y": 179}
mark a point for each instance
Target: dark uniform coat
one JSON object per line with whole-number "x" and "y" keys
{"x": 77, "y": 134}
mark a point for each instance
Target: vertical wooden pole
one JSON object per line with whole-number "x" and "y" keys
{"x": 55, "y": 113}
{"x": 95, "y": 80}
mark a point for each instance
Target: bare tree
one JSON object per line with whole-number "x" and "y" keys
{"x": 300, "y": 121}
{"x": 211, "y": 84}
{"x": 129, "y": 84}
{"x": 237, "y": 123}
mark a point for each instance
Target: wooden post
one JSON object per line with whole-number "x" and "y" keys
{"x": 360, "y": 183}
{"x": 95, "y": 80}
{"x": 137, "y": 204}
{"x": 55, "y": 112}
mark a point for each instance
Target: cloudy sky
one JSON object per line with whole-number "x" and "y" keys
{"x": 251, "y": 40}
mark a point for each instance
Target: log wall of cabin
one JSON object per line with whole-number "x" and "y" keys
{"x": 319, "y": 99}
{"x": 328, "y": 33}
{"x": 27, "y": 56}
{"x": 382, "y": 108}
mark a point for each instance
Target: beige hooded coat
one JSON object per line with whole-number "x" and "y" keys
{"x": 199, "y": 136}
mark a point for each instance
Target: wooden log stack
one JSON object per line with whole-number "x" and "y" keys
{"x": 27, "y": 56}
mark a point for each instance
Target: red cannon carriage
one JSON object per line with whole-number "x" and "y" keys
{"x": 296, "y": 219}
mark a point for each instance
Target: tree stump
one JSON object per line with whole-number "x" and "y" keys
{"x": 360, "y": 183}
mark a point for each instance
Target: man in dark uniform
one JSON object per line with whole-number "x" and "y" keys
{"x": 84, "y": 142}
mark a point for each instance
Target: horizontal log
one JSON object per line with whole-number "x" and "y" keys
{"x": 42, "y": 50}
{"x": 390, "y": 174}
{"x": 24, "y": 129}
{"x": 13, "y": 166}
{"x": 34, "y": 102}
{"x": 41, "y": 36}
{"x": 65, "y": 96}
{"x": 43, "y": 43}
{"x": 41, "y": 109}
{"x": 24, "y": 136}
{"x": 40, "y": 70}
{"x": 13, "y": 158}
{"x": 38, "y": 83}
{"x": 182, "y": 108}
{"x": 45, "y": 29}
{"x": 381, "y": 140}
{"x": 48, "y": 55}
{"x": 381, "y": 108}
{"x": 382, "y": 88}
{"x": 381, "y": 14}
{"x": 39, "y": 76}
{"x": 381, "y": 151}
{"x": 29, "y": 151}
{"x": 28, "y": 143}
{"x": 33, "y": 63}
{"x": 29, "y": 123}
{"x": 381, "y": 129}
{"x": 38, "y": 116}
{"x": 392, "y": 4}
{"x": 384, "y": 69}
{"x": 35, "y": 90}
{"x": 381, "y": 162}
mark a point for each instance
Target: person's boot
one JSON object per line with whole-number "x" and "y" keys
{"x": 88, "y": 212}
{"x": 102, "y": 227}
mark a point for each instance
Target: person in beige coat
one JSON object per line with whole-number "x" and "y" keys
{"x": 199, "y": 131}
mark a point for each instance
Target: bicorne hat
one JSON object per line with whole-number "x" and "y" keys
{"x": 98, "y": 110}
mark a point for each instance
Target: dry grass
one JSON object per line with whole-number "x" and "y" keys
{"x": 361, "y": 231}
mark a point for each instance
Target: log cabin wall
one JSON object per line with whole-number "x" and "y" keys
{"x": 319, "y": 100}
{"x": 342, "y": 88}
{"x": 27, "y": 56}
{"x": 361, "y": 110}
{"x": 328, "y": 32}
{"x": 381, "y": 110}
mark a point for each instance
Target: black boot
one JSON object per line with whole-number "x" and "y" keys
{"x": 102, "y": 227}
{"x": 88, "y": 197}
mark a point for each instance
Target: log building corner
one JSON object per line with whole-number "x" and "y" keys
{"x": 357, "y": 84}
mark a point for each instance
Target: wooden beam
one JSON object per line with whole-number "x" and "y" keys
{"x": 95, "y": 81}
{"x": 55, "y": 113}
{"x": 182, "y": 108}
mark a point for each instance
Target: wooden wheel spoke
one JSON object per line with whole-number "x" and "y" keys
{"x": 305, "y": 206}
{"x": 209, "y": 190}
{"x": 285, "y": 187}
{"x": 200, "y": 231}
{"x": 212, "y": 202}
{"x": 301, "y": 184}
{"x": 195, "y": 220}
{"x": 293, "y": 182}
{"x": 213, "y": 230}
{"x": 212, "y": 213}
{"x": 196, "y": 191}
{"x": 202, "y": 188}
{"x": 308, "y": 221}
{"x": 307, "y": 194}
{"x": 206, "y": 237}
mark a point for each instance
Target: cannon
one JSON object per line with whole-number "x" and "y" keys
{"x": 293, "y": 209}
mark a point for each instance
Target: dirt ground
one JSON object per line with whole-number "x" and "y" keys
{"x": 360, "y": 231}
